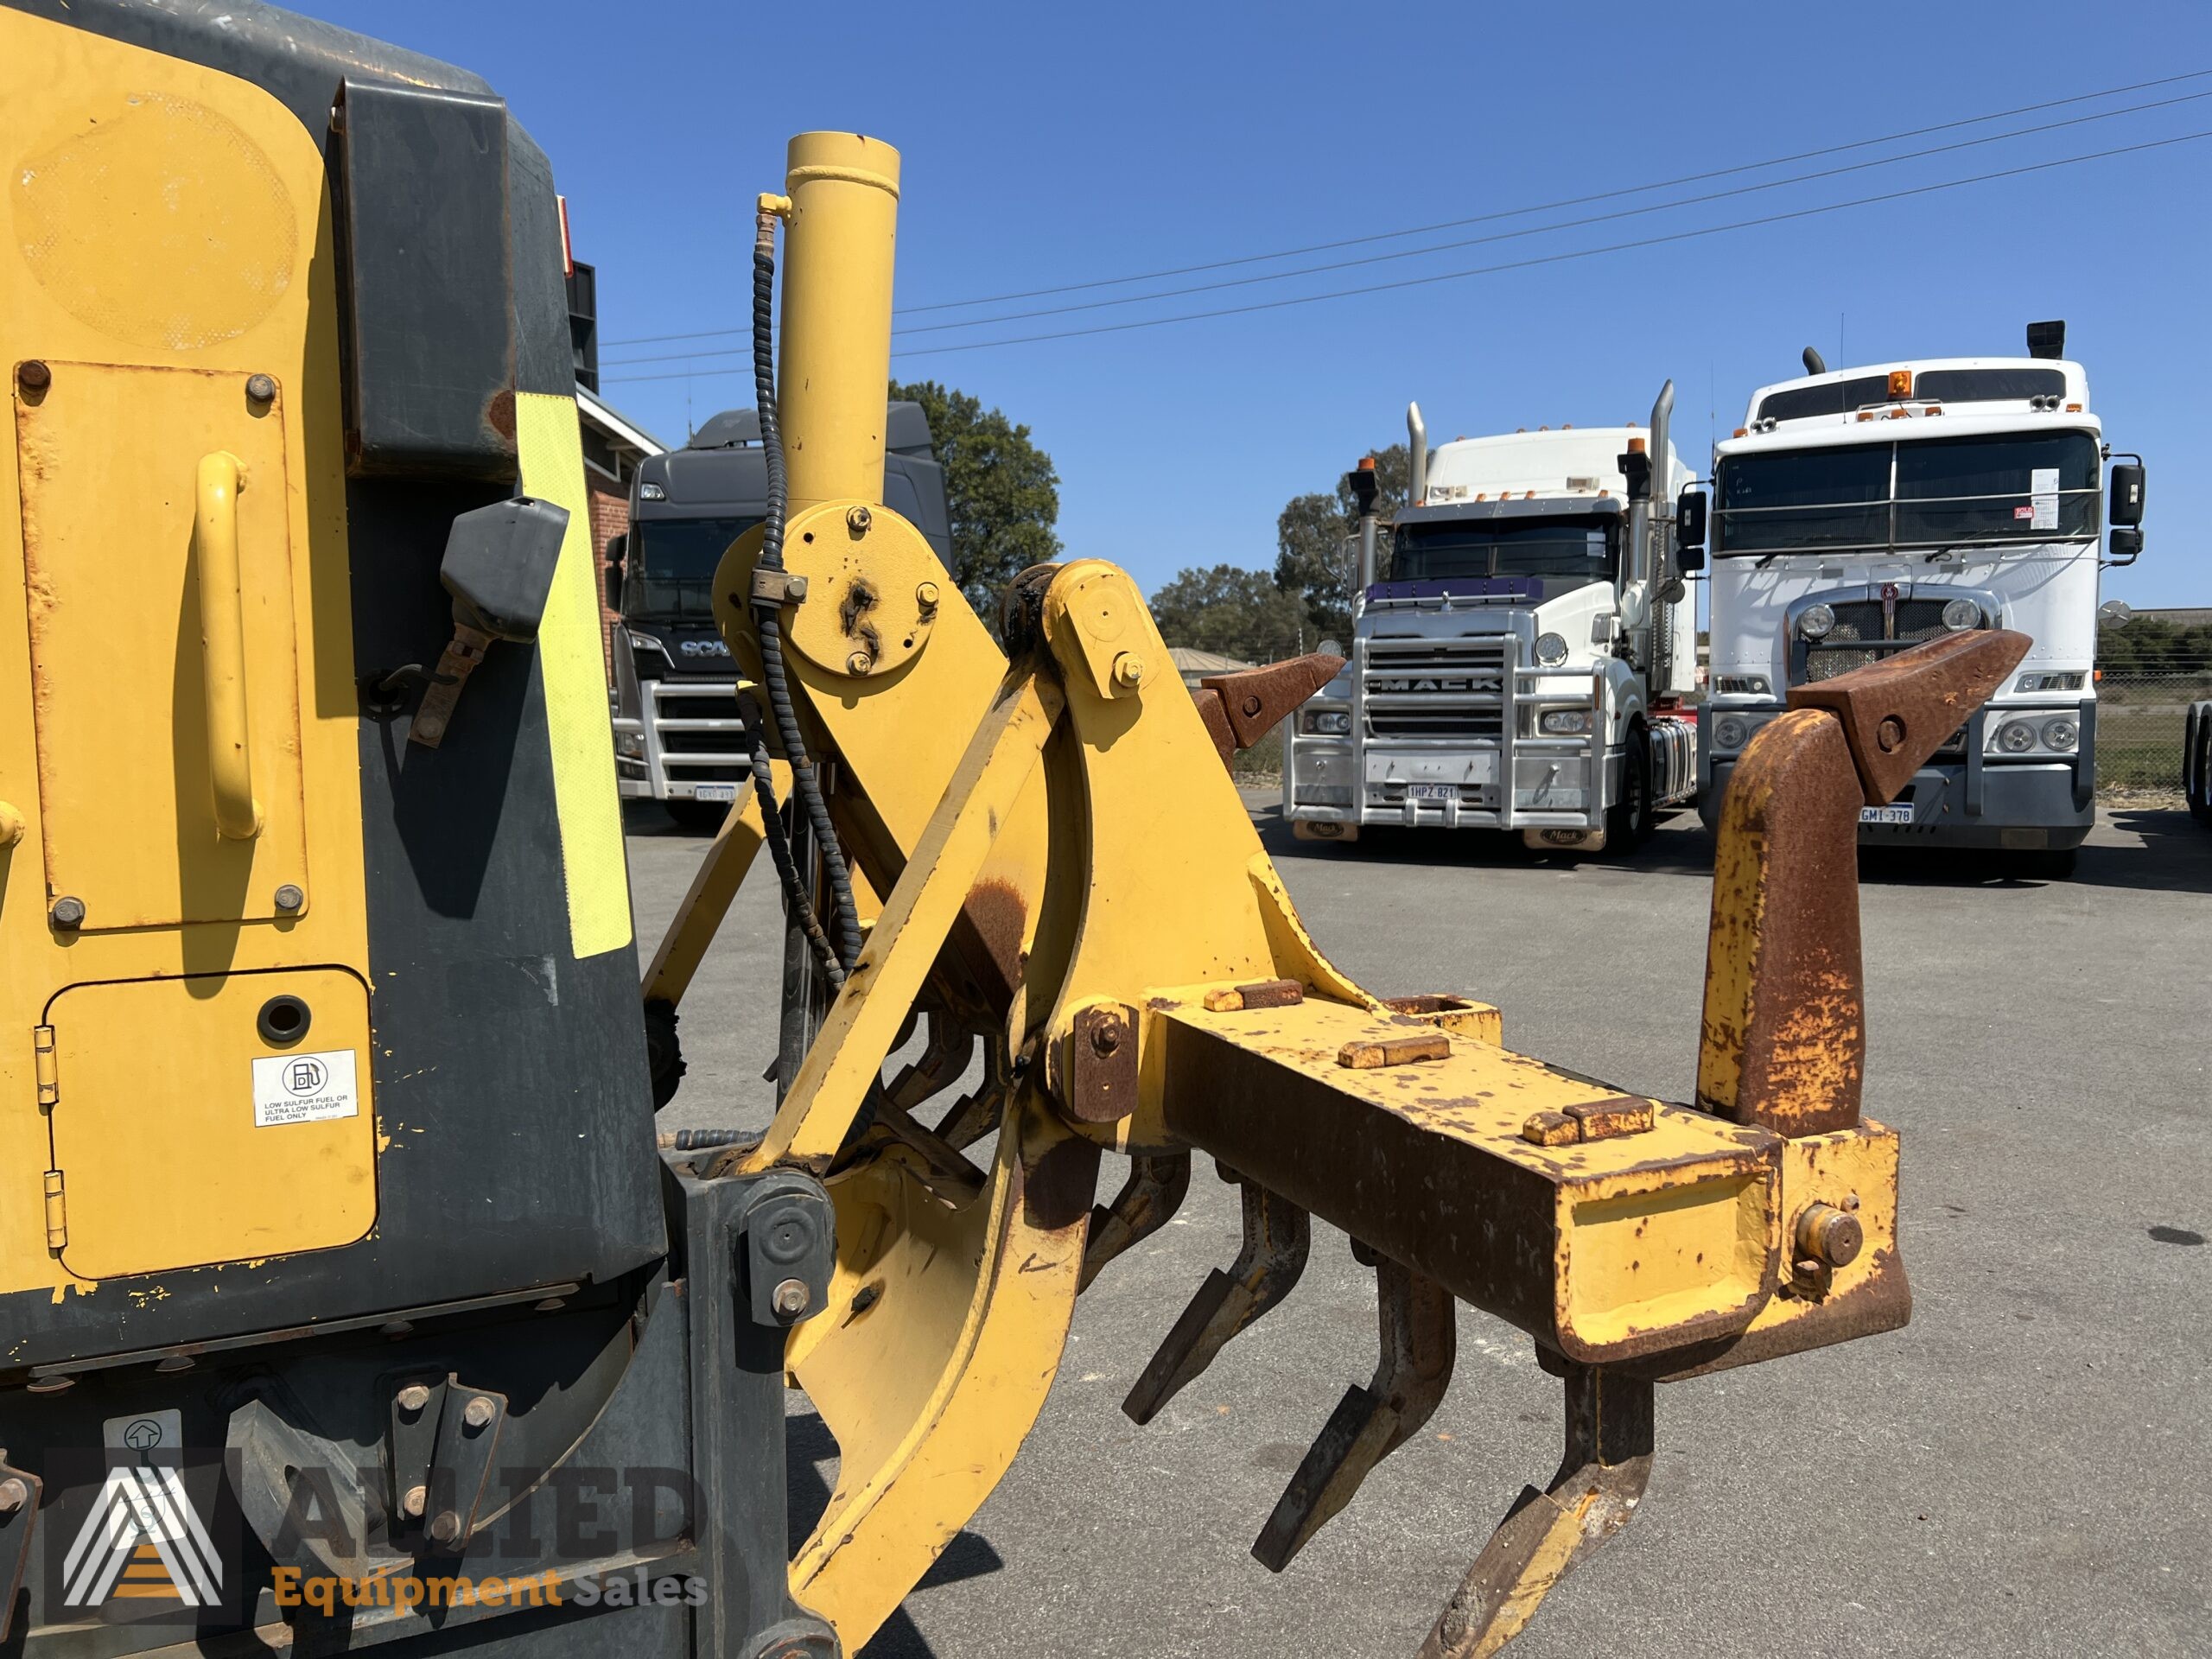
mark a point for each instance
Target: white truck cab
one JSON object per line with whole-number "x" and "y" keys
{"x": 1519, "y": 649}
{"x": 1859, "y": 511}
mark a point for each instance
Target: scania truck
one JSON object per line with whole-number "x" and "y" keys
{"x": 1856, "y": 512}
{"x": 675, "y": 728}
{"x": 1522, "y": 646}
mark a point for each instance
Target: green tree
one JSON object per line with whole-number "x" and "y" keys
{"x": 1234, "y": 612}
{"x": 2154, "y": 645}
{"x": 1002, "y": 492}
{"x": 1314, "y": 560}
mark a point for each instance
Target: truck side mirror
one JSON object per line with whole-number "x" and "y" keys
{"x": 2127, "y": 544}
{"x": 2127, "y": 492}
{"x": 618, "y": 549}
{"x": 1689, "y": 530}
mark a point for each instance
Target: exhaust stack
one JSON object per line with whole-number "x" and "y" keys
{"x": 1814, "y": 363}
{"x": 1417, "y": 456}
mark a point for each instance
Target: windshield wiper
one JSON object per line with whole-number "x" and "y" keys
{"x": 1944, "y": 553}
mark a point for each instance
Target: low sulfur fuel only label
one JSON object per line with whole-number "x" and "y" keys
{"x": 304, "y": 1088}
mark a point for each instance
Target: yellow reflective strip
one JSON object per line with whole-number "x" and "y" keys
{"x": 571, "y": 663}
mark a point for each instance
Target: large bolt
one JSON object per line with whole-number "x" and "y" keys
{"x": 1830, "y": 1234}
{"x": 445, "y": 1526}
{"x": 791, "y": 1298}
{"x": 478, "y": 1412}
{"x": 14, "y": 1494}
{"x": 67, "y": 913}
{"x": 1128, "y": 670}
{"x": 416, "y": 1500}
{"x": 859, "y": 663}
{"x": 925, "y": 596}
{"x": 1889, "y": 735}
{"x": 857, "y": 519}
{"x": 1105, "y": 1038}
{"x": 34, "y": 376}
{"x": 289, "y": 899}
{"x": 414, "y": 1397}
{"x": 260, "y": 389}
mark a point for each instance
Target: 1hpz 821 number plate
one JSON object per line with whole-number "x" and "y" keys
{"x": 1885, "y": 815}
{"x": 1431, "y": 792}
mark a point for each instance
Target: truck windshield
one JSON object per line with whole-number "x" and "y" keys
{"x": 670, "y": 567}
{"x": 1939, "y": 493}
{"x": 1573, "y": 549}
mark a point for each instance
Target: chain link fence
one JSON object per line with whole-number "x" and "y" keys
{"x": 2139, "y": 718}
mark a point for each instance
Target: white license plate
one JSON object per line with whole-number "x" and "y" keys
{"x": 1433, "y": 791}
{"x": 714, "y": 792}
{"x": 1885, "y": 815}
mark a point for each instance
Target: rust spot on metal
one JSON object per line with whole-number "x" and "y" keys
{"x": 1550, "y": 1129}
{"x": 1602, "y": 1120}
{"x": 996, "y": 910}
{"x": 1367, "y": 1053}
{"x": 499, "y": 413}
{"x": 1255, "y": 700}
{"x": 1896, "y": 713}
{"x": 1102, "y": 1073}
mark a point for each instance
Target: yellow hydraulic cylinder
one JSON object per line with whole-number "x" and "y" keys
{"x": 835, "y": 367}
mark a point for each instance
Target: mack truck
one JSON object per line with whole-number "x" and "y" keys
{"x": 1859, "y": 511}
{"x": 677, "y": 739}
{"x": 1520, "y": 652}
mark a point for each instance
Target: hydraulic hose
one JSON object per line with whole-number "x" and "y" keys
{"x": 768, "y": 623}
{"x": 795, "y": 902}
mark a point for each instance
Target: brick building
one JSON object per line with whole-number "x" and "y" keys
{"x": 612, "y": 445}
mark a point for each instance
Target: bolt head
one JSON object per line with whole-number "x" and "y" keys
{"x": 1252, "y": 706}
{"x": 261, "y": 388}
{"x": 445, "y": 1526}
{"x": 414, "y": 1397}
{"x": 14, "y": 1494}
{"x": 34, "y": 376}
{"x": 859, "y": 663}
{"x": 67, "y": 911}
{"x": 857, "y": 519}
{"x": 478, "y": 1412}
{"x": 431, "y": 728}
{"x": 416, "y": 1500}
{"x": 791, "y": 1298}
{"x": 1889, "y": 735}
{"x": 1105, "y": 1040}
{"x": 289, "y": 899}
{"x": 1128, "y": 669}
{"x": 927, "y": 595}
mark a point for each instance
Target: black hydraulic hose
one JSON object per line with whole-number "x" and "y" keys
{"x": 779, "y": 846}
{"x": 768, "y": 623}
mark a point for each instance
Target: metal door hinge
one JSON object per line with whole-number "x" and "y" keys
{"x": 57, "y": 1213}
{"x": 49, "y": 1077}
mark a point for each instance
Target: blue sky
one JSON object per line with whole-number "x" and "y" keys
{"x": 1046, "y": 145}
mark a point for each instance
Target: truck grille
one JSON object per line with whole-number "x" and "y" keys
{"x": 1435, "y": 688}
{"x": 1917, "y": 619}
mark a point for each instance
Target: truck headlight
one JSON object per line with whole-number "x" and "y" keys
{"x": 631, "y": 745}
{"x": 1960, "y": 614}
{"x": 1564, "y": 722}
{"x": 1744, "y": 685}
{"x": 2017, "y": 736}
{"x": 1551, "y": 650}
{"x": 1328, "y": 723}
{"x": 645, "y": 642}
{"x": 1730, "y": 731}
{"x": 1816, "y": 621}
{"x": 2061, "y": 735}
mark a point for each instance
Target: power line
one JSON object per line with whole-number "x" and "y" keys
{"x": 1479, "y": 218}
{"x": 1516, "y": 264}
{"x": 1479, "y": 241}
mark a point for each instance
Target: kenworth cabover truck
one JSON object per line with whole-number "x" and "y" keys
{"x": 1859, "y": 511}
{"x": 676, "y": 726}
{"x": 1519, "y": 659}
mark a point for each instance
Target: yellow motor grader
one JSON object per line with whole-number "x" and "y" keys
{"x": 346, "y": 1299}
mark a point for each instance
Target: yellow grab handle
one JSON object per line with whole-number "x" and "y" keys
{"x": 222, "y": 640}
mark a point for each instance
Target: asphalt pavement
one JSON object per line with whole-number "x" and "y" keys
{"x": 2024, "y": 1470}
